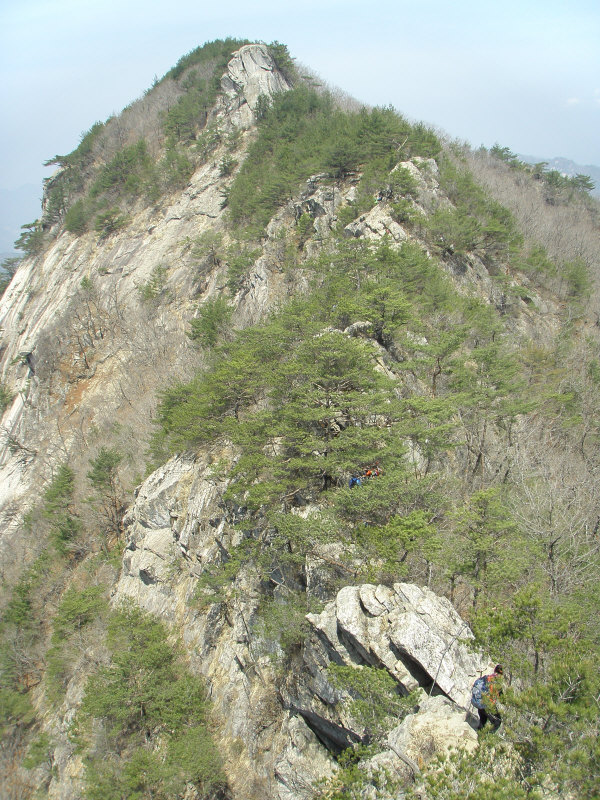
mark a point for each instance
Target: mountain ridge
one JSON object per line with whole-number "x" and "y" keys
{"x": 568, "y": 167}
{"x": 310, "y": 293}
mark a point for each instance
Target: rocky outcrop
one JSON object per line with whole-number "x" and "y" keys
{"x": 438, "y": 728}
{"x": 250, "y": 74}
{"x": 377, "y": 223}
{"x": 82, "y": 345}
{"x": 418, "y": 637}
{"x": 284, "y": 731}
{"x": 415, "y": 635}
{"x": 178, "y": 527}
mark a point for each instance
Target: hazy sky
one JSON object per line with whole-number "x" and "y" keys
{"x": 525, "y": 74}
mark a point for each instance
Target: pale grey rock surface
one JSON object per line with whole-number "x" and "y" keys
{"x": 438, "y": 728}
{"x": 376, "y": 224}
{"x": 250, "y": 74}
{"x": 70, "y": 377}
{"x": 418, "y": 636}
{"x": 75, "y": 373}
{"x": 178, "y": 526}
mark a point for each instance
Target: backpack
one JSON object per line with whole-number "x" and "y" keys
{"x": 480, "y": 687}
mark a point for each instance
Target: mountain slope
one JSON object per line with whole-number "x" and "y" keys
{"x": 568, "y": 167}
{"x": 295, "y": 293}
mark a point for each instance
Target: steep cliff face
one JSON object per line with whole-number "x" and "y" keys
{"x": 81, "y": 347}
{"x": 93, "y": 327}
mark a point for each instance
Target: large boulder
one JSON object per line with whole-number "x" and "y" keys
{"x": 376, "y": 224}
{"x": 417, "y": 636}
{"x": 436, "y": 729}
{"x": 250, "y": 74}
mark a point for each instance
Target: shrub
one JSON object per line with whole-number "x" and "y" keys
{"x": 58, "y": 509}
{"x": 109, "y": 222}
{"x": 239, "y": 259}
{"x": 39, "y": 752}
{"x": 77, "y": 611}
{"x": 20, "y": 638}
{"x": 403, "y": 212}
{"x": 207, "y": 142}
{"x": 127, "y": 170}
{"x": 6, "y": 397}
{"x": 154, "y": 286}
{"x": 212, "y": 323}
{"x": 227, "y": 166}
{"x": 7, "y": 271}
{"x": 155, "y": 715}
{"x": 77, "y": 218}
{"x": 302, "y": 133}
{"x": 217, "y": 52}
{"x": 283, "y": 61}
{"x": 31, "y": 239}
{"x": 108, "y": 492}
{"x": 578, "y": 278}
{"x": 177, "y": 169}
{"x": 403, "y": 182}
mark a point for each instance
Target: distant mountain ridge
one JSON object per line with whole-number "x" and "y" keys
{"x": 569, "y": 168}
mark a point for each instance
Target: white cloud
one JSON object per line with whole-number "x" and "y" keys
{"x": 573, "y": 101}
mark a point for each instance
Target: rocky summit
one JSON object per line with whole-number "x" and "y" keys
{"x": 299, "y": 439}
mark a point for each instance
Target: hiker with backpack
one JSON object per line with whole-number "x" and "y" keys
{"x": 367, "y": 472}
{"x": 485, "y": 696}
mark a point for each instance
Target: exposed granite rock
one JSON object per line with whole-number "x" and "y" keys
{"x": 418, "y": 636}
{"x": 375, "y": 224}
{"x": 67, "y": 382}
{"x": 276, "y": 737}
{"x": 426, "y": 176}
{"x": 250, "y": 73}
{"x": 436, "y": 729}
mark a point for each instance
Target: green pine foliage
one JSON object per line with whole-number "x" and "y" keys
{"x": 303, "y": 133}
{"x": 126, "y": 172}
{"x": 69, "y": 182}
{"x": 475, "y": 222}
{"x": 108, "y": 493}
{"x": 39, "y": 752}
{"x": 6, "y": 397}
{"x": 152, "y": 290}
{"x": 31, "y": 240}
{"x": 154, "y": 717}
{"x": 373, "y": 699}
{"x": 381, "y": 361}
{"x": 8, "y": 267}
{"x": 216, "y": 53}
{"x": 77, "y": 612}
{"x": 20, "y": 658}
{"x": 58, "y": 509}
{"x": 77, "y": 218}
{"x": 86, "y": 196}
{"x": 283, "y": 61}
{"x": 557, "y": 183}
{"x": 306, "y": 405}
{"x": 212, "y": 323}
